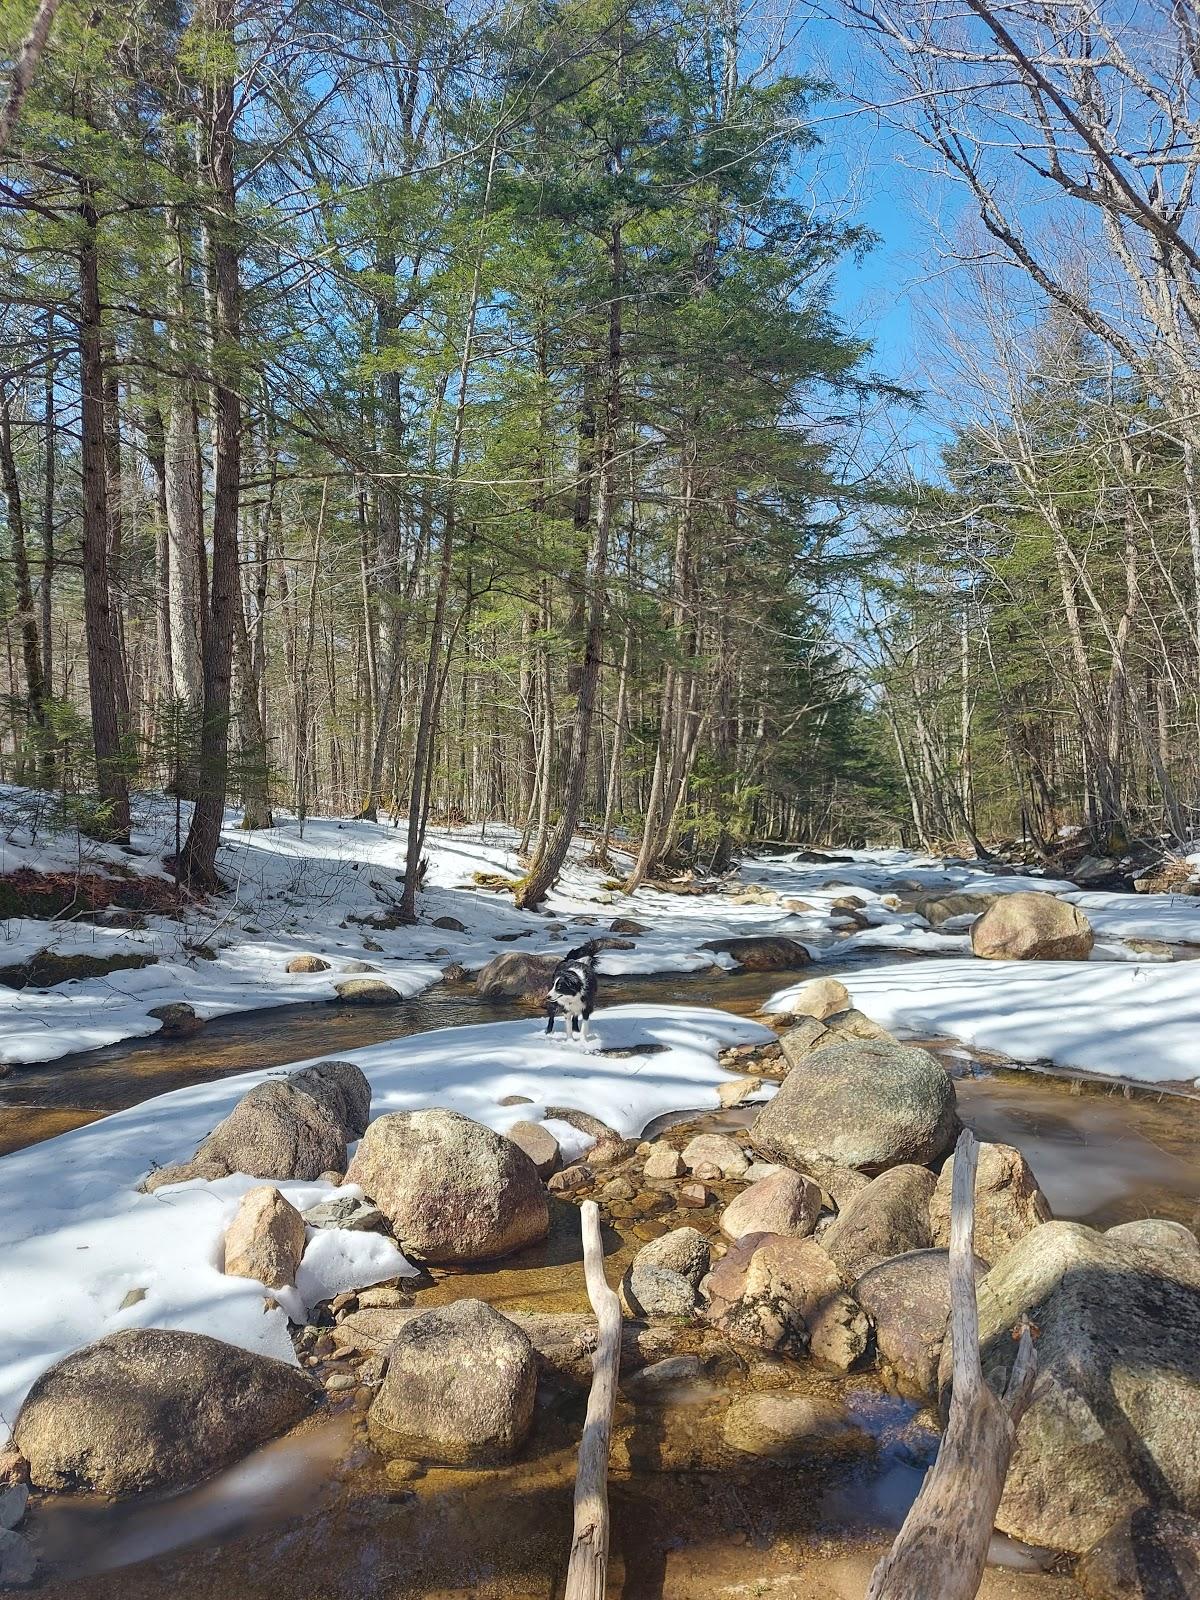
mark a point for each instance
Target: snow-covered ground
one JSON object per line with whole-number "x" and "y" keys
{"x": 80, "y": 1241}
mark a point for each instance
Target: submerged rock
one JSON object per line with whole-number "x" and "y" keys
{"x": 866, "y": 1104}
{"x": 459, "y": 1387}
{"x": 1032, "y": 927}
{"x": 452, "y": 1189}
{"x": 783, "y": 1426}
{"x": 151, "y": 1409}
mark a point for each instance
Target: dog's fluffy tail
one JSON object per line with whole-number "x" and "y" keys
{"x": 583, "y": 952}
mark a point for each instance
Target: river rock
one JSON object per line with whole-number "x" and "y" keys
{"x": 736, "y": 1091}
{"x": 1008, "y": 1202}
{"x": 277, "y": 1131}
{"x": 178, "y": 1019}
{"x": 939, "y": 907}
{"x": 786, "y": 1203}
{"x": 342, "y": 1088}
{"x": 183, "y": 1172}
{"x": 663, "y": 1162}
{"x": 348, "y": 1211}
{"x": 661, "y": 1377}
{"x": 1156, "y": 1233}
{"x": 715, "y": 1151}
{"x": 625, "y": 925}
{"x": 782, "y": 1426}
{"x": 152, "y": 1409}
{"x": 307, "y": 964}
{"x": 908, "y": 1300}
{"x": 839, "y": 1331}
{"x": 18, "y": 1564}
{"x": 1115, "y": 1418}
{"x": 866, "y": 1104}
{"x": 576, "y": 1177}
{"x": 1032, "y": 927}
{"x": 516, "y": 975}
{"x": 539, "y": 1144}
{"x": 13, "y": 1502}
{"x": 265, "y": 1240}
{"x": 683, "y": 1250}
{"x": 459, "y": 1387}
{"x": 1153, "y": 1554}
{"x": 367, "y": 992}
{"x": 762, "y": 952}
{"x": 888, "y": 1218}
{"x": 451, "y": 1189}
{"x": 449, "y": 924}
{"x": 820, "y": 998}
{"x": 767, "y": 1289}
{"x": 658, "y": 1294}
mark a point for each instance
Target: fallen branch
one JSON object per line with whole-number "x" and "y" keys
{"x": 942, "y": 1547}
{"x": 587, "y": 1571}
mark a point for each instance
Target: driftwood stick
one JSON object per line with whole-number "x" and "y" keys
{"x": 942, "y": 1547}
{"x": 587, "y": 1571}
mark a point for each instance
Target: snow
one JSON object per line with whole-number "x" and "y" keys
{"x": 1133, "y": 1020}
{"x": 79, "y": 1237}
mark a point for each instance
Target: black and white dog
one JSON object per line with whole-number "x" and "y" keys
{"x": 573, "y": 992}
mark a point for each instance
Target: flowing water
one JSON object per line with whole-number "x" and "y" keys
{"x": 314, "y": 1514}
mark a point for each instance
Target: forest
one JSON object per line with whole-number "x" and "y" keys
{"x": 457, "y": 414}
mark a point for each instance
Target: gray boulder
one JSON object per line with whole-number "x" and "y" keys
{"x": 342, "y": 1088}
{"x": 515, "y": 975}
{"x": 888, "y": 1218}
{"x": 1156, "y": 1233}
{"x": 867, "y": 1104}
{"x": 683, "y": 1250}
{"x": 460, "y": 1387}
{"x": 762, "y": 952}
{"x": 658, "y": 1294}
{"x": 1115, "y": 1420}
{"x": 1032, "y": 927}
{"x": 151, "y": 1409}
{"x": 277, "y": 1131}
{"x": 451, "y": 1189}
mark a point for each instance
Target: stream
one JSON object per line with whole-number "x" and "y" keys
{"x": 315, "y": 1513}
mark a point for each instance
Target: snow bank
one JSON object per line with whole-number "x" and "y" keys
{"x": 1128, "y": 1020}
{"x": 84, "y": 1254}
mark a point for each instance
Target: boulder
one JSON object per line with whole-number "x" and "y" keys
{"x": 459, "y": 1387}
{"x": 839, "y": 1331}
{"x": 1115, "y": 1420}
{"x": 1153, "y": 1554}
{"x": 307, "y": 964}
{"x": 265, "y": 1240}
{"x": 786, "y": 1203}
{"x": 800, "y": 1040}
{"x": 716, "y": 1151}
{"x": 941, "y": 907}
{"x": 367, "y": 992}
{"x": 18, "y": 1563}
{"x": 342, "y": 1088}
{"x": 658, "y": 1294}
{"x": 13, "y": 1503}
{"x": 908, "y": 1300}
{"x": 1032, "y": 927}
{"x": 1008, "y": 1202}
{"x": 684, "y": 1251}
{"x": 539, "y": 1144}
{"x": 178, "y": 1019}
{"x": 820, "y": 998}
{"x": 867, "y": 1104}
{"x": 762, "y": 952}
{"x": 451, "y": 1189}
{"x": 277, "y": 1131}
{"x": 1156, "y": 1233}
{"x": 887, "y": 1218}
{"x": 767, "y": 1290}
{"x": 516, "y": 975}
{"x": 152, "y": 1409}
{"x": 783, "y": 1426}
{"x": 449, "y": 924}
{"x": 183, "y": 1172}
{"x": 625, "y": 925}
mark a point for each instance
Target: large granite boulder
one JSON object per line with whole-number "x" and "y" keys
{"x": 866, "y": 1104}
{"x": 1032, "y": 927}
{"x": 342, "y": 1088}
{"x": 452, "y": 1190}
{"x": 786, "y": 1202}
{"x": 908, "y": 1300}
{"x": 516, "y": 975}
{"x": 1008, "y": 1202}
{"x": 762, "y": 952}
{"x": 888, "y": 1218}
{"x": 152, "y": 1409}
{"x": 277, "y": 1130}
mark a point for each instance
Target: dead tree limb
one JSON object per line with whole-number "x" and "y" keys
{"x": 587, "y": 1571}
{"x": 942, "y": 1547}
